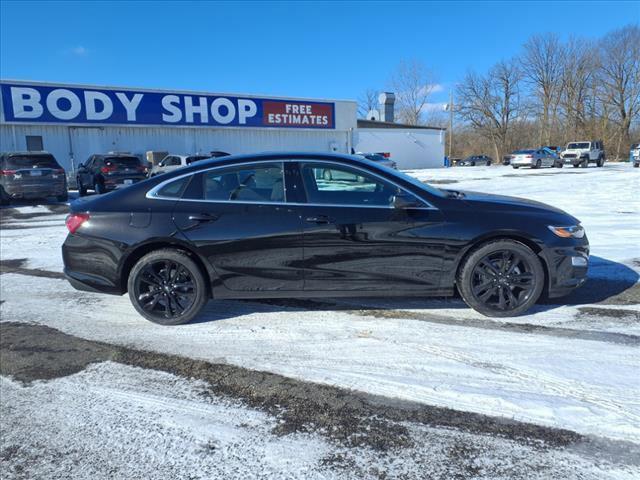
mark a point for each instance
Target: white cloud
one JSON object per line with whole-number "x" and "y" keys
{"x": 80, "y": 51}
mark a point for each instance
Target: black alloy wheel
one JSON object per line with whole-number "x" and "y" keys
{"x": 167, "y": 287}
{"x": 501, "y": 279}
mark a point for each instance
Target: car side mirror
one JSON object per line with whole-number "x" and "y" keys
{"x": 402, "y": 201}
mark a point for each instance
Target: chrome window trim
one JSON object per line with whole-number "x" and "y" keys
{"x": 151, "y": 194}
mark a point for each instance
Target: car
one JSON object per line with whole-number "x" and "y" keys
{"x": 172, "y": 162}
{"x": 581, "y": 154}
{"x": 106, "y": 172}
{"x": 634, "y": 155}
{"x": 533, "y": 158}
{"x": 266, "y": 226}
{"x": 506, "y": 159}
{"x": 31, "y": 175}
{"x": 474, "y": 160}
{"x": 381, "y": 158}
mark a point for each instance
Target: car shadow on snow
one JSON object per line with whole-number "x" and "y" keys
{"x": 609, "y": 283}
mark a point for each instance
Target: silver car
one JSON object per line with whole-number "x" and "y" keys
{"x": 533, "y": 158}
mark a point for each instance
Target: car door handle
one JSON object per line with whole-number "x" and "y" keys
{"x": 318, "y": 219}
{"x": 203, "y": 217}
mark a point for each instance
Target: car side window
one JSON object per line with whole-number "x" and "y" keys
{"x": 331, "y": 184}
{"x": 261, "y": 182}
{"x": 173, "y": 161}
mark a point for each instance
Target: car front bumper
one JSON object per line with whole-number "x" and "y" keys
{"x": 567, "y": 267}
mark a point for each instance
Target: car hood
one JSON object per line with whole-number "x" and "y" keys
{"x": 511, "y": 204}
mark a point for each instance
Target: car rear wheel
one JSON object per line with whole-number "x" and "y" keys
{"x": 167, "y": 287}
{"x": 98, "y": 187}
{"x": 63, "y": 198}
{"x": 600, "y": 162}
{"x": 585, "y": 163}
{"x": 538, "y": 163}
{"x": 82, "y": 191}
{"x": 516, "y": 167}
{"x": 503, "y": 278}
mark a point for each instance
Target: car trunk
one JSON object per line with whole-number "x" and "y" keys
{"x": 122, "y": 170}
{"x": 33, "y": 176}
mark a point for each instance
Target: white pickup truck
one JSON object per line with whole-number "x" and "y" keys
{"x": 581, "y": 154}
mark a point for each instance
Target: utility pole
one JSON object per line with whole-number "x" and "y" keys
{"x": 450, "y": 121}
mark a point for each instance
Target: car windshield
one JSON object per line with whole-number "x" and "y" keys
{"x": 374, "y": 157}
{"x": 122, "y": 161}
{"x": 523, "y": 151}
{"x": 635, "y": 145}
{"x": 412, "y": 180}
{"x": 195, "y": 158}
{"x": 577, "y": 146}
{"x": 31, "y": 161}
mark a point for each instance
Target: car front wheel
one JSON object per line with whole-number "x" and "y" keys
{"x": 503, "y": 278}
{"x": 167, "y": 287}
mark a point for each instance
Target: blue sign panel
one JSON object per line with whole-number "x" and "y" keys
{"x": 96, "y": 106}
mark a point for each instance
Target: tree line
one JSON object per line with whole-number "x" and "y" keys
{"x": 553, "y": 92}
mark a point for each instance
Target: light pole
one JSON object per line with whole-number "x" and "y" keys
{"x": 449, "y": 106}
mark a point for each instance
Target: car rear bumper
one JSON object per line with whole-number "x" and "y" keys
{"x": 522, "y": 162}
{"x": 567, "y": 267}
{"x": 113, "y": 183}
{"x": 35, "y": 191}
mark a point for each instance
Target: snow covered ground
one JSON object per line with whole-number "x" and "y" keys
{"x": 574, "y": 366}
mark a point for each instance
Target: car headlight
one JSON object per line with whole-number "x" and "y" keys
{"x": 574, "y": 231}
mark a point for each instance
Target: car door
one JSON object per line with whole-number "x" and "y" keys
{"x": 238, "y": 218}
{"x": 356, "y": 240}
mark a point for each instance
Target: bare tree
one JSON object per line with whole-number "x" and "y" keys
{"x": 367, "y": 101}
{"x": 580, "y": 61}
{"x": 491, "y": 103}
{"x": 541, "y": 65}
{"x": 619, "y": 79}
{"x": 413, "y": 85}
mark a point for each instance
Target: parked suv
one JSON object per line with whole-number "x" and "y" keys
{"x": 172, "y": 162}
{"x": 28, "y": 175}
{"x": 581, "y": 154}
{"x": 102, "y": 173}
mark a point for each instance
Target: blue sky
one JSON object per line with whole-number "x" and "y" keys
{"x": 307, "y": 49}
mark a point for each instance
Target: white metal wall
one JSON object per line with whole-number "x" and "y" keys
{"x": 410, "y": 148}
{"x": 79, "y": 142}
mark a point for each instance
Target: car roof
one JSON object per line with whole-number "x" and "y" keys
{"x": 38, "y": 153}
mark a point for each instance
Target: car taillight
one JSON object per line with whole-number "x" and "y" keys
{"x": 386, "y": 154}
{"x": 75, "y": 220}
{"x": 142, "y": 168}
{"x": 108, "y": 169}
{"x": 528, "y": 156}
{"x": 7, "y": 172}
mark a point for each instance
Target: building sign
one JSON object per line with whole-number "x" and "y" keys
{"x": 98, "y": 106}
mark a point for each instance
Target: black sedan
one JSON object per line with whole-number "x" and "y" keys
{"x": 272, "y": 225}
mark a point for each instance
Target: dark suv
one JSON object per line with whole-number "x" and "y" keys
{"x": 474, "y": 160}
{"x": 27, "y": 175}
{"x": 102, "y": 173}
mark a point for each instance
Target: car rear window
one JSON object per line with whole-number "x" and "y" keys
{"x": 122, "y": 161}
{"x": 31, "y": 161}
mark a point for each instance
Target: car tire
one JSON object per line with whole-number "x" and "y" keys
{"x": 98, "y": 187}
{"x": 63, "y": 198}
{"x": 585, "y": 163}
{"x": 5, "y": 199}
{"x": 485, "y": 276}
{"x": 538, "y": 164}
{"x": 559, "y": 165}
{"x": 82, "y": 191}
{"x": 600, "y": 162}
{"x": 636, "y": 165}
{"x": 515, "y": 167}
{"x": 153, "y": 277}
